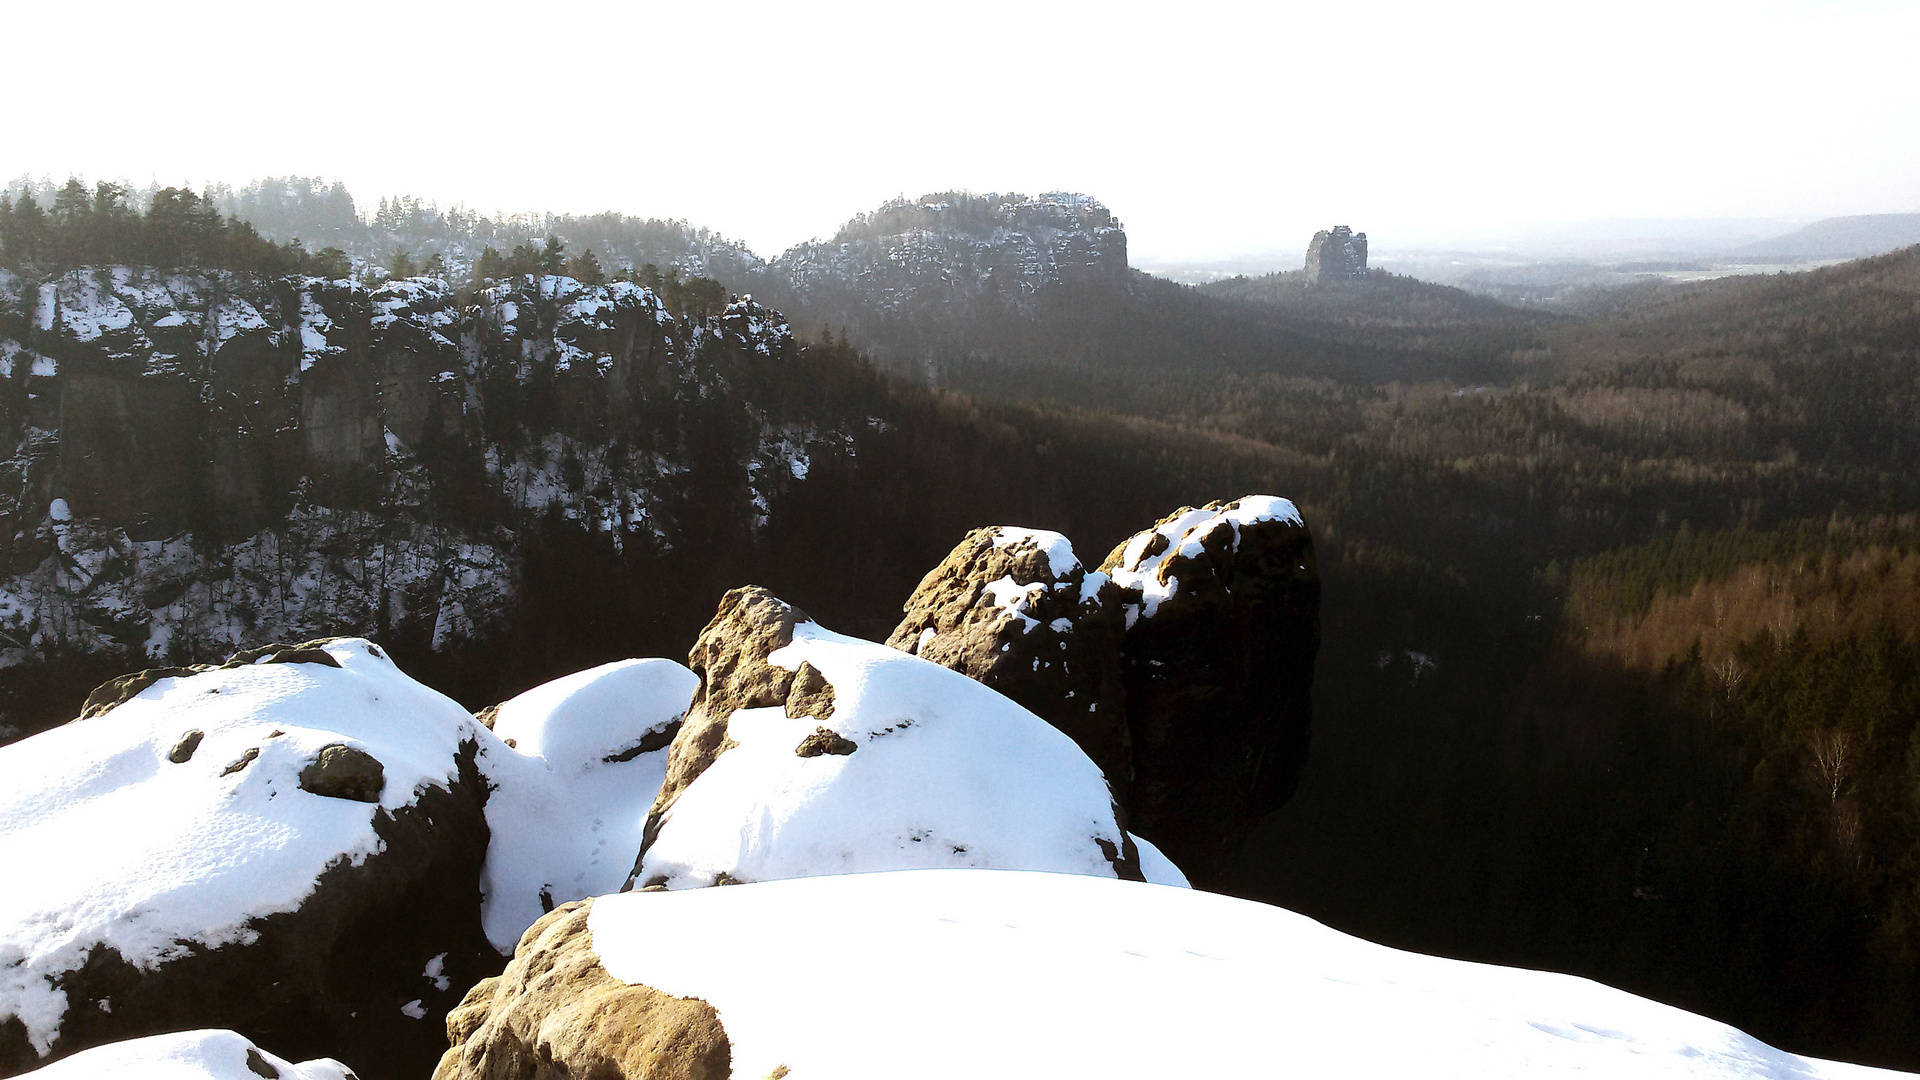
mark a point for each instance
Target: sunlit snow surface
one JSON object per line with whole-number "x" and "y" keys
{"x": 108, "y": 842}
{"x": 973, "y": 973}
{"x": 946, "y": 772}
{"x": 186, "y": 1055}
{"x": 567, "y": 822}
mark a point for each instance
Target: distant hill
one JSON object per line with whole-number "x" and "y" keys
{"x": 1840, "y": 238}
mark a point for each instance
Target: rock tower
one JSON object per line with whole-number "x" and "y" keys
{"x": 1336, "y": 255}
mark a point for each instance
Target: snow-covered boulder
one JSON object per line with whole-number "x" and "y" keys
{"x": 289, "y": 845}
{"x": 1222, "y": 619}
{"x": 578, "y": 766}
{"x": 189, "y": 1055}
{"x": 808, "y": 753}
{"x": 1015, "y": 610}
{"x": 971, "y": 973}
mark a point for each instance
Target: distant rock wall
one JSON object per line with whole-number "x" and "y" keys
{"x": 195, "y": 461}
{"x": 1336, "y": 255}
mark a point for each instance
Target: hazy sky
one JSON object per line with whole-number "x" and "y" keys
{"x": 1208, "y": 128}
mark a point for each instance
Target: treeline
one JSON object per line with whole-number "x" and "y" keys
{"x": 177, "y": 229}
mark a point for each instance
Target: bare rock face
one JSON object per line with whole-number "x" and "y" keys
{"x": 1221, "y": 634}
{"x": 1338, "y": 255}
{"x": 556, "y": 1013}
{"x": 1183, "y": 666}
{"x": 1015, "y": 609}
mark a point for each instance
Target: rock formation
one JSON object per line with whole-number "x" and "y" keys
{"x": 189, "y": 459}
{"x": 1219, "y": 654}
{"x": 1336, "y": 256}
{"x": 807, "y": 753}
{"x": 1014, "y": 609}
{"x": 556, "y": 1014}
{"x": 290, "y": 849}
{"x": 1183, "y": 666}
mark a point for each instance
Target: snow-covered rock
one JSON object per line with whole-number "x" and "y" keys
{"x": 1222, "y": 618}
{"x": 809, "y": 753}
{"x": 579, "y": 765}
{"x": 968, "y": 973}
{"x": 1182, "y": 666}
{"x": 1015, "y": 610}
{"x": 197, "y": 461}
{"x": 209, "y": 1054}
{"x": 290, "y": 843}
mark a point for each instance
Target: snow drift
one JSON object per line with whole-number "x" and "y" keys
{"x": 579, "y": 764}
{"x": 968, "y": 973}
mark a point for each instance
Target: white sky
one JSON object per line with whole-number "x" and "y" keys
{"x": 1208, "y": 128}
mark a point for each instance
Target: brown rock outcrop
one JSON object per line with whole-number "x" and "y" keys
{"x": 556, "y": 1013}
{"x": 730, "y": 656}
{"x": 1183, "y": 667}
{"x": 1006, "y": 609}
{"x": 1218, "y": 664}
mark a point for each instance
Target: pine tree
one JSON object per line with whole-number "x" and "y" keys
{"x": 489, "y": 267}
{"x": 585, "y": 268}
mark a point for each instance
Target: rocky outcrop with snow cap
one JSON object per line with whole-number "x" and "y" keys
{"x": 808, "y": 753}
{"x": 288, "y": 845}
{"x": 209, "y": 1054}
{"x": 1015, "y": 610}
{"x": 1183, "y": 665}
{"x": 1222, "y": 627}
{"x": 969, "y": 973}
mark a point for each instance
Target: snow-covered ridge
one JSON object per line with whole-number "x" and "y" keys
{"x": 950, "y": 247}
{"x": 967, "y": 973}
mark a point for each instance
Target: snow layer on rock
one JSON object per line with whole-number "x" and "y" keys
{"x": 1157, "y": 868}
{"x": 567, "y": 815}
{"x": 210, "y": 1054}
{"x": 944, "y": 772}
{"x": 1185, "y": 537}
{"x": 969, "y": 973}
{"x": 1060, "y": 557}
{"x": 150, "y": 858}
